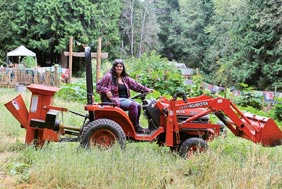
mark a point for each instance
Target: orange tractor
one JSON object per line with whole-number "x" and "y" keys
{"x": 180, "y": 123}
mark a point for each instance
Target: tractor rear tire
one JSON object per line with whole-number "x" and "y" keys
{"x": 102, "y": 133}
{"x": 192, "y": 146}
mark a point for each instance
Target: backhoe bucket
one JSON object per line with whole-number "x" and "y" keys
{"x": 268, "y": 133}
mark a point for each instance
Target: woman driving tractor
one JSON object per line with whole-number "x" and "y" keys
{"x": 115, "y": 87}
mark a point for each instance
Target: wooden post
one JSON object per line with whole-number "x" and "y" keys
{"x": 47, "y": 78}
{"x": 35, "y": 79}
{"x": 16, "y": 76}
{"x": 263, "y": 104}
{"x": 99, "y": 55}
{"x": 56, "y": 83}
{"x": 70, "y": 58}
{"x": 98, "y": 59}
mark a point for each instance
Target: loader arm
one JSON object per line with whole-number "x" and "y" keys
{"x": 255, "y": 128}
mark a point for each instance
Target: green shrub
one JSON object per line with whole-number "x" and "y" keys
{"x": 248, "y": 98}
{"x": 29, "y": 62}
{"x": 196, "y": 89}
{"x": 277, "y": 110}
{"x": 155, "y": 72}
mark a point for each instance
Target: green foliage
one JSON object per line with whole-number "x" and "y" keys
{"x": 244, "y": 42}
{"x": 47, "y": 25}
{"x": 76, "y": 92}
{"x": 253, "y": 110}
{"x": 73, "y": 92}
{"x": 196, "y": 89}
{"x": 8, "y": 13}
{"x": 155, "y": 72}
{"x": 265, "y": 41}
{"x": 164, "y": 11}
{"x": 150, "y": 69}
{"x": 277, "y": 109}
{"x": 18, "y": 168}
{"x": 229, "y": 41}
{"x": 29, "y": 62}
{"x": 110, "y": 170}
{"x": 247, "y": 98}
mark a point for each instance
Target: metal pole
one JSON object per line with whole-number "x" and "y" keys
{"x": 89, "y": 80}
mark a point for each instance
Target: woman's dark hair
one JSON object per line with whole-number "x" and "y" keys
{"x": 113, "y": 70}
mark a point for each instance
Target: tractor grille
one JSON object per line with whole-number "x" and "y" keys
{"x": 203, "y": 119}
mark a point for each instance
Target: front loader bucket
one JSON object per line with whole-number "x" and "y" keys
{"x": 268, "y": 133}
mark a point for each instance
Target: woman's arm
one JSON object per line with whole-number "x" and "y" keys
{"x": 137, "y": 87}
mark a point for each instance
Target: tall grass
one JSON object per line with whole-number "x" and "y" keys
{"x": 230, "y": 162}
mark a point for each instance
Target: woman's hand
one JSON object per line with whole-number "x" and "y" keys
{"x": 109, "y": 94}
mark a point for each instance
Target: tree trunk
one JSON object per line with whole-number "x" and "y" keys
{"x": 142, "y": 29}
{"x": 132, "y": 26}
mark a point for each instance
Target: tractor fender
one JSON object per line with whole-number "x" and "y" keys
{"x": 114, "y": 113}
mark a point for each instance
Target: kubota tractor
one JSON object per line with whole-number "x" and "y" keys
{"x": 180, "y": 123}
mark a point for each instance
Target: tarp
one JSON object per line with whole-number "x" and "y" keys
{"x": 21, "y": 51}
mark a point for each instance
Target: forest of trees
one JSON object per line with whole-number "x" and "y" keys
{"x": 230, "y": 41}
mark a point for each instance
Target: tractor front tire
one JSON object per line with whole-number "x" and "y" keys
{"x": 102, "y": 133}
{"x": 192, "y": 146}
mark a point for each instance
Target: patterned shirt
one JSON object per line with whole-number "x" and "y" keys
{"x": 105, "y": 85}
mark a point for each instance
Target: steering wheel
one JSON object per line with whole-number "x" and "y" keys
{"x": 141, "y": 95}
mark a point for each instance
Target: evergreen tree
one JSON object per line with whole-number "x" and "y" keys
{"x": 246, "y": 39}
{"x": 164, "y": 11}
{"x": 222, "y": 64}
{"x": 190, "y": 40}
{"x": 266, "y": 46}
{"x": 46, "y": 26}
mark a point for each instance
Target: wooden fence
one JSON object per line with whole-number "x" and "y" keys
{"x": 12, "y": 77}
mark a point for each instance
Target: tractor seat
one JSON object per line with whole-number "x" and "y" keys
{"x": 104, "y": 98}
{"x": 106, "y": 101}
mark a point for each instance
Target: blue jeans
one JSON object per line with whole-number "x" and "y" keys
{"x": 125, "y": 102}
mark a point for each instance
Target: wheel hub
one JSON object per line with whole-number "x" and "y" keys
{"x": 104, "y": 138}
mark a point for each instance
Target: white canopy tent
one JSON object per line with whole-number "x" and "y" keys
{"x": 22, "y": 51}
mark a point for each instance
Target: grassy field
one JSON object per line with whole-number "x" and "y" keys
{"x": 230, "y": 162}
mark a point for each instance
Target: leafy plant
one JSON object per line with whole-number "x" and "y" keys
{"x": 73, "y": 92}
{"x": 248, "y": 98}
{"x": 277, "y": 110}
{"x": 29, "y": 62}
{"x": 155, "y": 72}
{"x": 195, "y": 89}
